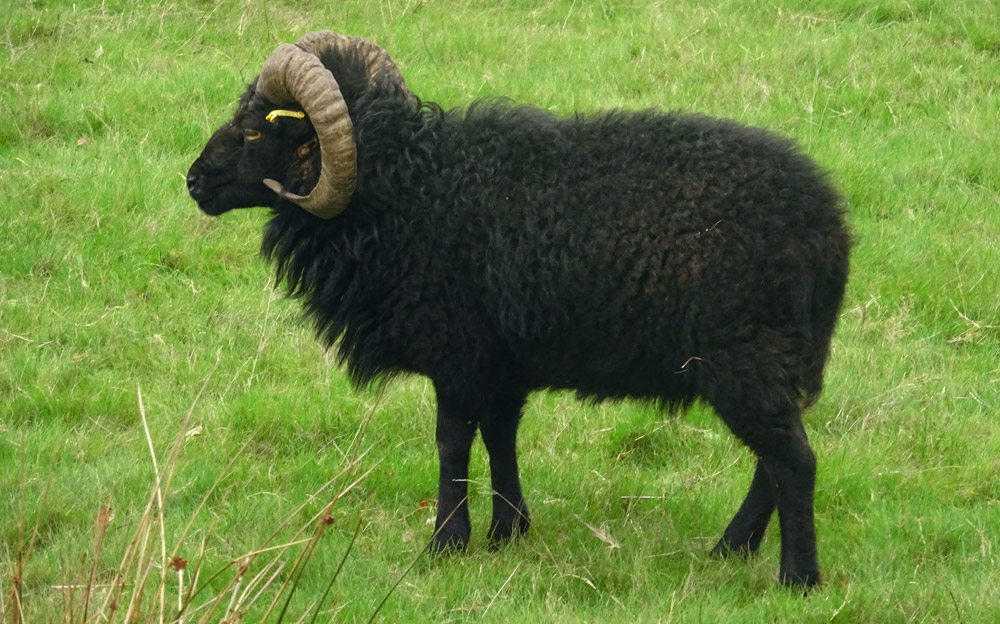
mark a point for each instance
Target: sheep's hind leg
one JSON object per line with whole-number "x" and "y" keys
{"x": 744, "y": 533}
{"x": 793, "y": 471}
{"x": 455, "y": 432}
{"x": 780, "y": 443}
{"x": 499, "y": 430}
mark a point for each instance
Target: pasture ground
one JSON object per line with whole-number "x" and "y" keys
{"x": 111, "y": 281}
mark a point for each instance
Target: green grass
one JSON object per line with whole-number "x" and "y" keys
{"x": 111, "y": 280}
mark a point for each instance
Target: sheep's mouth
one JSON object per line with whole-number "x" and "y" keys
{"x": 212, "y": 208}
{"x": 219, "y": 200}
{"x": 208, "y": 200}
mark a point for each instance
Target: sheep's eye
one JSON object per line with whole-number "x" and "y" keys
{"x": 250, "y": 134}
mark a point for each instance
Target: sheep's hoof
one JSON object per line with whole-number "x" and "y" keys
{"x": 446, "y": 546}
{"x": 451, "y": 538}
{"x": 724, "y": 550}
{"x": 505, "y": 530}
{"x": 803, "y": 580}
{"x": 497, "y": 539}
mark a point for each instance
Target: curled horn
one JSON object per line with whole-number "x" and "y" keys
{"x": 294, "y": 73}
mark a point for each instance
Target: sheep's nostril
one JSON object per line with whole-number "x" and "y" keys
{"x": 196, "y": 185}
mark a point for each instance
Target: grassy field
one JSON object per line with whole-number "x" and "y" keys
{"x": 113, "y": 286}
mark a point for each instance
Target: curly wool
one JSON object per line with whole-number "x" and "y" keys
{"x": 661, "y": 256}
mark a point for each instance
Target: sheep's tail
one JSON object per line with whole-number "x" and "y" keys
{"x": 828, "y": 294}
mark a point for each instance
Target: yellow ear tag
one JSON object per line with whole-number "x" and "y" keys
{"x": 284, "y": 113}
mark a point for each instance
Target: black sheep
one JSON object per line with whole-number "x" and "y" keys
{"x": 499, "y": 250}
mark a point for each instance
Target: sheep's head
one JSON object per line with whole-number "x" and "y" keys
{"x": 267, "y": 153}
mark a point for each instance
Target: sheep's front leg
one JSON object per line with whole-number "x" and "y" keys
{"x": 499, "y": 430}
{"x": 454, "y": 434}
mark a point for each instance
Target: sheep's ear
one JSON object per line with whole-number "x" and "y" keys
{"x": 278, "y": 112}
{"x": 295, "y": 124}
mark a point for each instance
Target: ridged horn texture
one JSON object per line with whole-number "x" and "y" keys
{"x": 294, "y": 73}
{"x": 377, "y": 60}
